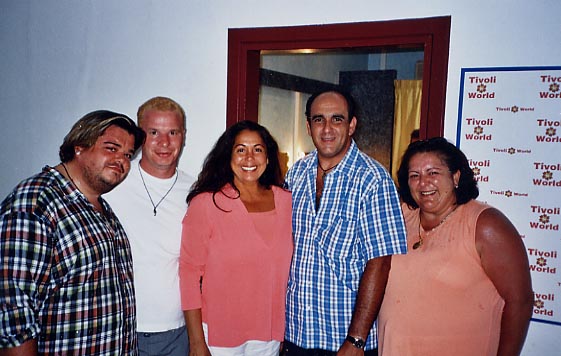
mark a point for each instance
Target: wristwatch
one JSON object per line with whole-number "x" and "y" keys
{"x": 356, "y": 341}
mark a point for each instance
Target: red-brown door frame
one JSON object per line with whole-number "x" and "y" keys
{"x": 433, "y": 34}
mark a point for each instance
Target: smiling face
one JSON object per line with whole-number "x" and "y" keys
{"x": 330, "y": 127}
{"x": 105, "y": 164}
{"x": 431, "y": 184}
{"x": 249, "y": 158}
{"x": 165, "y": 137}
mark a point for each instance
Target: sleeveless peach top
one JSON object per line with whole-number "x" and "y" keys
{"x": 438, "y": 300}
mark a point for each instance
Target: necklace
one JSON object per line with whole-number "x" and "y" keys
{"x": 319, "y": 182}
{"x": 147, "y": 192}
{"x": 325, "y": 171}
{"x": 419, "y": 243}
{"x": 68, "y": 174}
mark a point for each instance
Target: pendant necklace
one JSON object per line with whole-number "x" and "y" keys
{"x": 325, "y": 171}
{"x": 147, "y": 192}
{"x": 419, "y": 243}
{"x": 319, "y": 187}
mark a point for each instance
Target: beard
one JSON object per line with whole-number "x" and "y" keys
{"x": 99, "y": 182}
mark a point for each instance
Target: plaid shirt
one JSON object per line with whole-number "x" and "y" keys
{"x": 65, "y": 272}
{"x": 359, "y": 219}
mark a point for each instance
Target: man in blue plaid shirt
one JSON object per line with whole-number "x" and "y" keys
{"x": 347, "y": 223}
{"x": 65, "y": 261}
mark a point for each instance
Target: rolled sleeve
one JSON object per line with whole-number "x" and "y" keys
{"x": 24, "y": 269}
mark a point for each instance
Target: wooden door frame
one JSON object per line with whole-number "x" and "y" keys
{"x": 433, "y": 34}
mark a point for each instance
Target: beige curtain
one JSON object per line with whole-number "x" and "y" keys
{"x": 406, "y": 118}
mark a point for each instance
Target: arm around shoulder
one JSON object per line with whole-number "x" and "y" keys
{"x": 504, "y": 259}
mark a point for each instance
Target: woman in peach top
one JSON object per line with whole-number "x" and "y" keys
{"x": 236, "y": 248}
{"x": 464, "y": 286}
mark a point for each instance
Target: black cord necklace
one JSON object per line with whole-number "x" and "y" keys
{"x": 325, "y": 171}
{"x": 68, "y": 174}
{"x": 147, "y": 192}
{"x": 319, "y": 183}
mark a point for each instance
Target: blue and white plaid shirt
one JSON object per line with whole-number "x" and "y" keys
{"x": 359, "y": 218}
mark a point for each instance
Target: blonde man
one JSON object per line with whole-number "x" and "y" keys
{"x": 151, "y": 205}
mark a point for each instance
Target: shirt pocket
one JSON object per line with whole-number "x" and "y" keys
{"x": 337, "y": 242}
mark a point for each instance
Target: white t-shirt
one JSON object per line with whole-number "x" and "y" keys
{"x": 155, "y": 243}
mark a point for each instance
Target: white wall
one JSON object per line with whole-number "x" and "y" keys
{"x": 62, "y": 58}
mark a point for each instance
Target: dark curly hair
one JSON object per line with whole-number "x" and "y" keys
{"x": 454, "y": 159}
{"x": 217, "y": 172}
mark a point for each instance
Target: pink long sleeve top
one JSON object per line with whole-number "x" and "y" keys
{"x": 244, "y": 271}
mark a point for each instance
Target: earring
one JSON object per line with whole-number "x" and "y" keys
{"x": 78, "y": 153}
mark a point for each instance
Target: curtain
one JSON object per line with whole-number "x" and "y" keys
{"x": 407, "y": 117}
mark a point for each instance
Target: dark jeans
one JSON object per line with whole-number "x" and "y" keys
{"x": 290, "y": 349}
{"x": 173, "y": 342}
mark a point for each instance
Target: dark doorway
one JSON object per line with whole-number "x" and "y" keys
{"x": 245, "y": 46}
{"x": 373, "y": 92}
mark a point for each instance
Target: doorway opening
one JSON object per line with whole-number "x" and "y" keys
{"x": 272, "y": 71}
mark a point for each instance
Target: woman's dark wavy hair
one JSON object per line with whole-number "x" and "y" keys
{"x": 454, "y": 159}
{"x": 217, "y": 172}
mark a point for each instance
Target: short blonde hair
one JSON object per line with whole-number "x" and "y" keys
{"x": 160, "y": 103}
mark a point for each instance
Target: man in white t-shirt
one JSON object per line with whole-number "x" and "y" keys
{"x": 150, "y": 203}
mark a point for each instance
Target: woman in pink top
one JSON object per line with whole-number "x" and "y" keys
{"x": 464, "y": 286}
{"x": 236, "y": 247}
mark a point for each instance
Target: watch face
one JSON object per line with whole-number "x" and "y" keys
{"x": 357, "y": 342}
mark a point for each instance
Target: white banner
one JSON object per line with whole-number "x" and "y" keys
{"x": 509, "y": 127}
